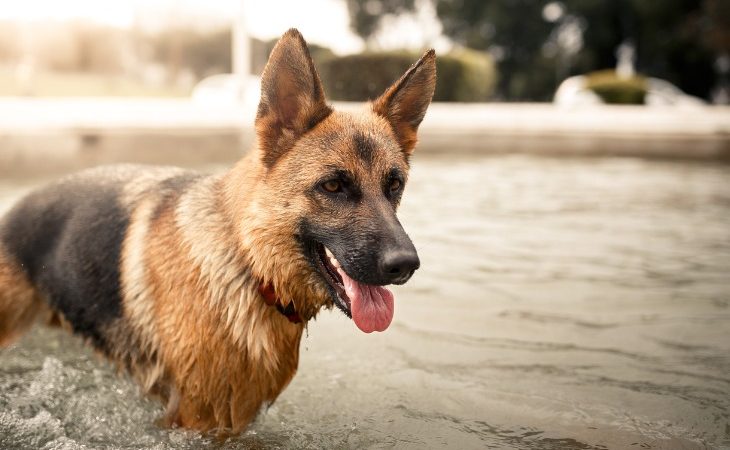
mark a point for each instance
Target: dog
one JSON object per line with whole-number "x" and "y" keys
{"x": 200, "y": 286}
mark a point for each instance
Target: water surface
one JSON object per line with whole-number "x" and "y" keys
{"x": 562, "y": 303}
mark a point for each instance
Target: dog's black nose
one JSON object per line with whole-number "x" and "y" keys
{"x": 397, "y": 266}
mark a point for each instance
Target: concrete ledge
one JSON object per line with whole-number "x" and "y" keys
{"x": 59, "y": 151}
{"x": 46, "y": 136}
{"x": 690, "y": 133}
{"x": 51, "y": 136}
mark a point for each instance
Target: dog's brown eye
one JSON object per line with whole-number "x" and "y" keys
{"x": 332, "y": 186}
{"x": 395, "y": 185}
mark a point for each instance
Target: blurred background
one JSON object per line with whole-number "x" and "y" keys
{"x": 514, "y": 51}
{"x": 84, "y": 82}
{"x": 569, "y": 198}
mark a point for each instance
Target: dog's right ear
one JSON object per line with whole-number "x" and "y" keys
{"x": 292, "y": 97}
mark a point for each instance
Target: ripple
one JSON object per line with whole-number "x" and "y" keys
{"x": 494, "y": 436}
{"x": 533, "y": 346}
{"x": 548, "y": 319}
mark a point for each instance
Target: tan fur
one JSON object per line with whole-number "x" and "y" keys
{"x": 198, "y": 341}
{"x": 20, "y": 304}
{"x": 138, "y": 299}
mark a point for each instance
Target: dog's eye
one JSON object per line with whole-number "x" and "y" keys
{"x": 332, "y": 186}
{"x": 395, "y": 185}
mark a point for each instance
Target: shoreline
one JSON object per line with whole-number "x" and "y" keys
{"x": 49, "y": 136}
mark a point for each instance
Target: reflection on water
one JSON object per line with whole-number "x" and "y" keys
{"x": 561, "y": 303}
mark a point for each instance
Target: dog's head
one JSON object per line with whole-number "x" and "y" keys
{"x": 328, "y": 187}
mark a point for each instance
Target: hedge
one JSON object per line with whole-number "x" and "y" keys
{"x": 616, "y": 90}
{"x": 463, "y": 75}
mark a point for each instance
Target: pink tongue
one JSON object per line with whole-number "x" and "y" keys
{"x": 371, "y": 306}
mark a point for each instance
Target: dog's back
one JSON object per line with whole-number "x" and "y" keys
{"x": 66, "y": 240}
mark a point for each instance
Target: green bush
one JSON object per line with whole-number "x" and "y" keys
{"x": 615, "y": 90}
{"x": 463, "y": 75}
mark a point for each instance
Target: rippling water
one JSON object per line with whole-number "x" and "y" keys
{"x": 561, "y": 303}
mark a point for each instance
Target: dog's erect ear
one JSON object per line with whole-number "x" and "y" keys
{"x": 404, "y": 103}
{"x": 292, "y": 98}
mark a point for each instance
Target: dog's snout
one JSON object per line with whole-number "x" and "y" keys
{"x": 397, "y": 266}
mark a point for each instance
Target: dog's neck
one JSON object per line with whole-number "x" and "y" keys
{"x": 252, "y": 212}
{"x": 222, "y": 262}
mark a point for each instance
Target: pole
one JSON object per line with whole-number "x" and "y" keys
{"x": 241, "y": 47}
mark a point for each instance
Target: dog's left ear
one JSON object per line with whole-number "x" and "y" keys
{"x": 404, "y": 103}
{"x": 292, "y": 97}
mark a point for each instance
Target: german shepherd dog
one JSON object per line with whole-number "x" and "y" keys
{"x": 200, "y": 286}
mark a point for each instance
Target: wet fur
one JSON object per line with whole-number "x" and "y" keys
{"x": 159, "y": 268}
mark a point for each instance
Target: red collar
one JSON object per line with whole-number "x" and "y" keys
{"x": 271, "y": 299}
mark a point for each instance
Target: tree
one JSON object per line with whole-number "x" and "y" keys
{"x": 669, "y": 37}
{"x": 677, "y": 40}
{"x": 365, "y": 15}
{"x": 204, "y": 53}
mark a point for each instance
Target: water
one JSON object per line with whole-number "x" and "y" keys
{"x": 562, "y": 303}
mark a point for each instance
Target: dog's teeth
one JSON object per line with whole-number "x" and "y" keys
{"x": 332, "y": 259}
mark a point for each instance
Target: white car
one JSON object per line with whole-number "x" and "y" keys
{"x": 573, "y": 92}
{"x": 227, "y": 89}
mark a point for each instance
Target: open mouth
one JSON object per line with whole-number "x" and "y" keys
{"x": 370, "y": 307}
{"x": 328, "y": 266}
